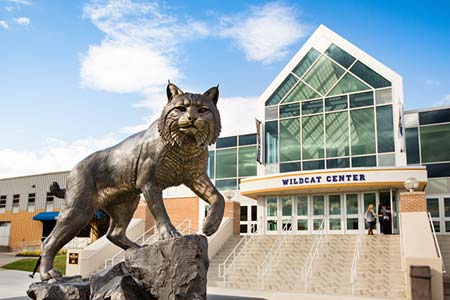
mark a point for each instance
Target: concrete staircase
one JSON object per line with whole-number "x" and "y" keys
{"x": 444, "y": 245}
{"x": 379, "y": 271}
{"x": 213, "y": 270}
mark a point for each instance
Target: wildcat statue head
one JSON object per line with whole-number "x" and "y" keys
{"x": 190, "y": 119}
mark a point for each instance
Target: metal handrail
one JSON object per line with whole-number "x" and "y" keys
{"x": 355, "y": 260}
{"x": 436, "y": 243}
{"x": 234, "y": 254}
{"x": 266, "y": 266}
{"x": 313, "y": 252}
{"x": 182, "y": 228}
{"x": 402, "y": 251}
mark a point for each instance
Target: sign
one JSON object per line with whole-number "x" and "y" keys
{"x": 73, "y": 258}
{"x": 357, "y": 177}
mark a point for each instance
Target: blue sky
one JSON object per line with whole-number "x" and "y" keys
{"x": 79, "y": 76}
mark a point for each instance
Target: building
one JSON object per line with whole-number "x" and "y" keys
{"x": 332, "y": 138}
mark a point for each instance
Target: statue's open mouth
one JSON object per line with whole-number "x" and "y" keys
{"x": 187, "y": 126}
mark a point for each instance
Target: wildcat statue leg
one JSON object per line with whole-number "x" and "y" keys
{"x": 171, "y": 152}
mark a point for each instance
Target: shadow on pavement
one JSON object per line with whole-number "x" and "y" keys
{"x": 223, "y": 297}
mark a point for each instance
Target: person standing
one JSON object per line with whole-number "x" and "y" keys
{"x": 381, "y": 212}
{"x": 371, "y": 219}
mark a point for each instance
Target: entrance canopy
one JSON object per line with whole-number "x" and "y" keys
{"x": 46, "y": 216}
{"x": 332, "y": 180}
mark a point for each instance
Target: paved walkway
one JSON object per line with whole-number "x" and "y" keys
{"x": 8, "y": 257}
{"x": 15, "y": 283}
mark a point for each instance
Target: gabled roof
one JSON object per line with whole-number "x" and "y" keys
{"x": 321, "y": 40}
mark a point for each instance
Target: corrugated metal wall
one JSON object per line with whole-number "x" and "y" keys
{"x": 38, "y": 184}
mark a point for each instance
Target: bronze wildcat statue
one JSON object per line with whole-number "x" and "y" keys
{"x": 172, "y": 151}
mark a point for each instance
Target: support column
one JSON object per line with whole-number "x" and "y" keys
{"x": 413, "y": 202}
{"x": 233, "y": 210}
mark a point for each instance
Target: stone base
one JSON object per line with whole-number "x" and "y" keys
{"x": 172, "y": 269}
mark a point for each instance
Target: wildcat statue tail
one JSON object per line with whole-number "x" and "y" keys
{"x": 56, "y": 191}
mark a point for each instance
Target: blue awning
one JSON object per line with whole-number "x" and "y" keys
{"x": 46, "y": 216}
{"x": 52, "y": 215}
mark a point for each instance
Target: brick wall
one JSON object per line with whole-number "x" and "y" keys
{"x": 22, "y": 227}
{"x": 233, "y": 210}
{"x": 413, "y": 202}
{"x": 183, "y": 208}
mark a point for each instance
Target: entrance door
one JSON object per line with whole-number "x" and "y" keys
{"x": 352, "y": 216}
{"x": 318, "y": 212}
{"x": 287, "y": 209}
{"x": 334, "y": 214}
{"x": 4, "y": 233}
{"x": 302, "y": 220}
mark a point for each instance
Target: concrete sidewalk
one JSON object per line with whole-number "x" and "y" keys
{"x": 8, "y": 257}
{"x": 15, "y": 283}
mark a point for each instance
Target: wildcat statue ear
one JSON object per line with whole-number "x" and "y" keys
{"x": 172, "y": 91}
{"x": 212, "y": 94}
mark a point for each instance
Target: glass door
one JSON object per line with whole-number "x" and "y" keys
{"x": 272, "y": 215}
{"x": 302, "y": 214}
{"x": 318, "y": 211}
{"x": 352, "y": 220}
{"x": 334, "y": 214}
{"x": 369, "y": 198}
{"x": 287, "y": 204}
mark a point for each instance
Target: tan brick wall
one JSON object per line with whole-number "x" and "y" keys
{"x": 233, "y": 210}
{"x": 143, "y": 212}
{"x": 22, "y": 228}
{"x": 183, "y": 208}
{"x": 413, "y": 202}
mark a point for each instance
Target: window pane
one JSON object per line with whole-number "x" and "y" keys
{"x": 369, "y": 75}
{"x": 211, "y": 164}
{"x": 302, "y": 225}
{"x": 317, "y": 223}
{"x": 272, "y": 207}
{"x": 271, "y": 113}
{"x": 434, "y": 116}
{"x": 385, "y": 129}
{"x": 286, "y": 225}
{"x": 447, "y": 207}
{"x": 433, "y": 207}
{"x": 447, "y": 226}
{"x": 302, "y": 205}
{"x": 364, "y": 161}
{"x": 351, "y": 202}
{"x": 323, "y": 75}
{"x": 335, "y": 224}
{"x": 226, "y": 184}
{"x": 290, "y": 139}
{"x": 334, "y": 204}
{"x": 254, "y": 212}
{"x": 244, "y": 214}
{"x": 313, "y": 165}
{"x": 226, "y": 142}
{"x": 433, "y": 135}
{"x": 301, "y": 92}
{"x": 282, "y": 90}
{"x": 362, "y": 131}
{"x": 412, "y": 146}
{"x": 383, "y": 96}
{"x": 312, "y": 107}
{"x": 336, "y": 103}
{"x": 247, "y": 161}
{"x": 272, "y": 225}
{"x": 338, "y": 163}
{"x": 286, "y": 206}
{"x": 348, "y": 84}
{"x": 290, "y": 167}
{"x": 437, "y": 226}
{"x": 312, "y": 137}
{"x": 438, "y": 170}
{"x": 226, "y": 163}
{"x": 306, "y": 62}
{"x": 271, "y": 147}
{"x": 361, "y": 99}
{"x": 369, "y": 198}
{"x": 385, "y": 160}
{"x": 337, "y": 134}
{"x": 318, "y": 205}
{"x": 243, "y": 228}
{"x": 340, "y": 56}
{"x": 352, "y": 223}
{"x": 247, "y": 139}
{"x": 290, "y": 110}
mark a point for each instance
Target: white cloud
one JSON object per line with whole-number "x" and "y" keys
{"x": 23, "y": 2}
{"x": 266, "y": 33}
{"x": 237, "y": 115}
{"x": 56, "y": 155}
{"x": 4, "y": 24}
{"x": 9, "y": 8}
{"x": 432, "y": 82}
{"x": 443, "y": 101}
{"x": 22, "y": 21}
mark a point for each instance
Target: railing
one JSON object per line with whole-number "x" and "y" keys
{"x": 149, "y": 236}
{"x": 313, "y": 252}
{"x": 356, "y": 254}
{"x": 402, "y": 246}
{"x": 436, "y": 243}
{"x": 240, "y": 248}
{"x": 265, "y": 267}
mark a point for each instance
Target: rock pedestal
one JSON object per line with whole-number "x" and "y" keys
{"x": 173, "y": 269}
